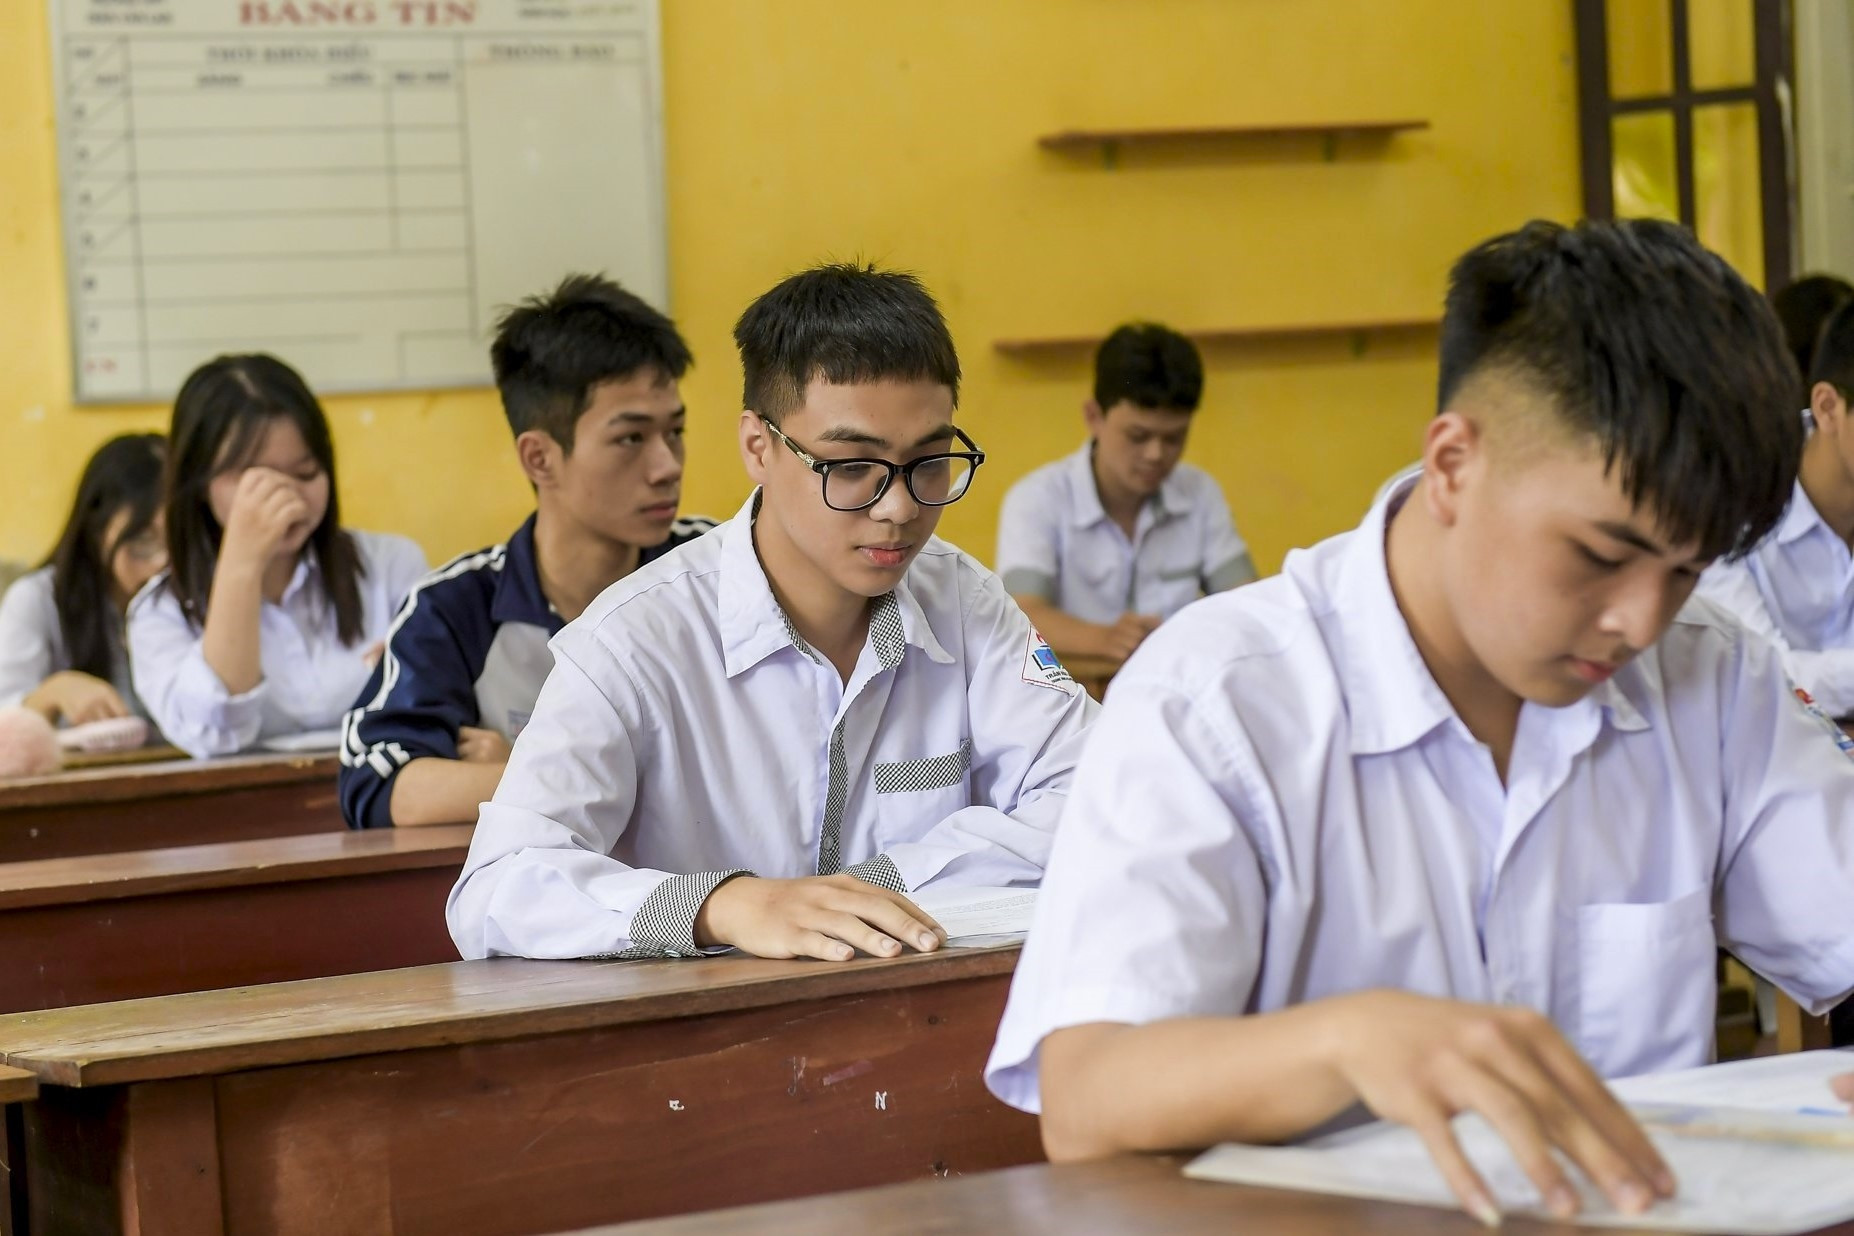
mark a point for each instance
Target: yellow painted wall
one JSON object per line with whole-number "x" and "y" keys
{"x": 806, "y": 129}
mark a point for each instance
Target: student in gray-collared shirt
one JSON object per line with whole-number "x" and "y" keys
{"x": 1102, "y": 545}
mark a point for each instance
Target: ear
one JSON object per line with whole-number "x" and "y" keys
{"x": 1454, "y": 454}
{"x": 754, "y": 443}
{"x": 540, "y": 457}
{"x": 1094, "y": 417}
{"x": 1828, "y": 408}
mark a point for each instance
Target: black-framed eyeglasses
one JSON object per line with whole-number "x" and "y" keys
{"x": 858, "y": 484}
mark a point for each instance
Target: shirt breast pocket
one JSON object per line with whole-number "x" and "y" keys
{"x": 914, "y": 795}
{"x": 1647, "y": 986}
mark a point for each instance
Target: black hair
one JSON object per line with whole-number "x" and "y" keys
{"x": 551, "y": 351}
{"x": 124, "y": 476}
{"x": 1833, "y": 362}
{"x": 1150, "y": 366}
{"x": 842, "y": 323}
{"x": 1654, "y": 347}
{"x": 1803, "y": 306}
{"x": 220, "y": 416}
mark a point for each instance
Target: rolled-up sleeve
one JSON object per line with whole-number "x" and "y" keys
{"x": 184, "y": 696}
{"x": 540, "y": 879}
{"x": 1028, "y": 552}
{"x": 1155, "y": 902}
{"x": 1028, "y": 728}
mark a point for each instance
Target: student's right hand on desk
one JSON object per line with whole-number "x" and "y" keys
{"x": 1418, "y": 1061}
{"x": 265, "y": 507}
{"x": 77, "y": 698}
{"x": 826, "y": 917}
{"x": 1129, "y": 631}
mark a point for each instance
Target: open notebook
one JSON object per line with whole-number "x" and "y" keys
{"x": 1758, "y": 1146}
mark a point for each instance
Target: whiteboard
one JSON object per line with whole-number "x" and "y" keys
{"x": 358, "y": 186}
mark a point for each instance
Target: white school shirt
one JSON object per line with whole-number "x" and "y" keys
{"x": 1057, "y": 542}
{"x": 310, "y": 678}
{"x": 1279, "y": 804}
{"x": 687, "y": 732}
{"x": 32, "y": 643}
{"x": 1796, "y": 589}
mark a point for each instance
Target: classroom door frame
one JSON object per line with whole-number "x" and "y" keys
{"x": 1770, "y": 92}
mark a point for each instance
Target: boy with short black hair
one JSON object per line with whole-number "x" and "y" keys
{"x": 1454, "y": 813}
{"x": 771, "y": 737}
{"x": 588, "y": 376}
{"x": 1102, "y": 546}
{"x": 1803, "y": 305}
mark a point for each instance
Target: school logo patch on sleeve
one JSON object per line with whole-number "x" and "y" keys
{"x": 1841, "y": 737}
{"x": 1043, "y": 668}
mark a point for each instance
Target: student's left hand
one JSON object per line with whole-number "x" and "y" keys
{"x": 826, "y": 917}
{"x": 1843, "y": 1085}
{"x": 477, "y": 746}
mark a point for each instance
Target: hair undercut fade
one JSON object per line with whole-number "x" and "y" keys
{"x": 551, "y": 351}
{"x": 841, "y": 323}
{"x": 1149, "y": 366}
{"x": 1654, "y": 348}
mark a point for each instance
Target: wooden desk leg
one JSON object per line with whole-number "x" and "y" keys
{"x": 12, "y": 1173}
{"x": 137, "y": 1161}
{"x": 1797, "y": 1030}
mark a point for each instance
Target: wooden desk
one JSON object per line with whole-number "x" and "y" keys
{"x": 510, "y": 1096}
{"x": 17, "y": 1086}
{"x": 177, "y": 802}
{"x": 1093, "y": 1199}
{"x": 1093, "y": 673}
{"x": 154, "y": 922}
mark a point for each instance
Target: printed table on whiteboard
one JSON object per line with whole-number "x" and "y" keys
{"x": 356, "y": 185}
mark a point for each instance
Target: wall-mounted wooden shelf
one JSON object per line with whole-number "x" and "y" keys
{"x": 1110, "y": 141}
{"x": 1355, "y": 331}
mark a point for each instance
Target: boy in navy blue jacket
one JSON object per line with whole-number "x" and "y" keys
{"x": 588, "y": 377}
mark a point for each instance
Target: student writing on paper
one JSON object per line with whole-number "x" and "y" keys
{"x": 1453, "y": 814}
{"x": 62, "y": 649}
{"x": 1100, "y": 547}
{"x": 1796, "y": 588}
{"x": 588, "y": 377}
{"x": 269, "y": 613}
{"x": 770, "y": 737}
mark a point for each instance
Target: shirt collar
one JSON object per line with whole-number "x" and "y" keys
{"x": 518, "y": 596}
{"x": 1800, "y": 518}
{"x": 754, "y": 627}
{"x": 1393, "y": 699}
{"x": 308, "y": 568}
{"x": 1086, "y": 510}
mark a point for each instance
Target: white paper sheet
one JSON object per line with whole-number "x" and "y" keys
{"x": 976, "y": 917}
{"x": 1752, "y": 1172}
{"x": 1794, "y": 1083}
{"x": 309, "y": 740}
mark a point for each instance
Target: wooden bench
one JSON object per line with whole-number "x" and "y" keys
{"x": 1118, "y": 1195}
{"x": 155, "y": 922}
{"x": 177, "y": 802}
{"x": 510, "y": 1096}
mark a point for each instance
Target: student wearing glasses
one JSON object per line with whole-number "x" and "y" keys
{"x": 769, "y": 738}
